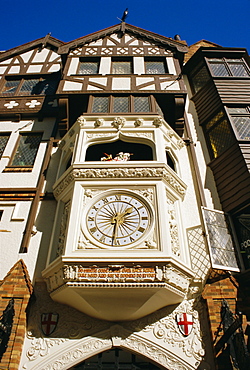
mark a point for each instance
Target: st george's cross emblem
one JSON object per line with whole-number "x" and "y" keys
{"x": 49, "y": 322}
{"x": 185, "y": 323}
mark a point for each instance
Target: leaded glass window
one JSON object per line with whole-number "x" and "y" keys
{"x": 155, "y": 67}
{"x": 121, "y": 67}
{"x": 141, "y": 104}
{"x": 223, "y": 67}
{"x": 88, "y": 68}
{"x": 3, "y": 142}
{"x": 200, "y": 78}
{"x": 240, "y": 117}
{"x": 220, "y": 242}
{"x": 100, "y": 104}
{"x": 34, "y": 86}
{"x": 219, "y": 134}
{"x": 10, "y": 87}
{"x": 27, "y": 150}
{"x": 121, "y": 104}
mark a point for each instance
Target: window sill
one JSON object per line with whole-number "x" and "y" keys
{"x": 18, "y": 169}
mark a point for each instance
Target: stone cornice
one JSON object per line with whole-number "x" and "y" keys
{"x": 121, "y": 172}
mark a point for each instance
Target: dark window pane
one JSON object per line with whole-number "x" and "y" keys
{"x": 121, "y": 68}
{"x": 10, "y": 87}
{"x": 141, "y": 104}
{"x": 219, "y": 69}
{"x": 88, "y": 68}
{"x": 154, "y": 67}
{"x": 200, "y": 79}
{"x": 214, "y": 120}
{"x": 100, "y": 104}
{"x": 121, "y": 104}
{"x": 3, "y": 142}
{"x": 27, "y": 149}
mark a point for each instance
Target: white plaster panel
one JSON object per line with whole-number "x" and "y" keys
{"x": 99, "y": 80}
{"x": 115, "y": 37}
{"x": 150, "y": 87}
{"x": 73, "y": 66}
{"x": 143, "y": 80}
{"x": 53, "y": 56}
{"x": 90, "y": 87}
{"x": 127, "y": 38}
{"x": 105, "y": 65}
{"x": 139, "y": 67}
{"x": 11, "y": 233}
{"x": 121, "y": 83}
{"x": 174, "y": 86}
{"x": 2, "y": 70}
{"x": 41, "y": 55}
{"x": 135, "y": 42}
{"x": 54, "y": 68}
{"x": 14, "y": 69}
{"x": 7, "y": 61}
{"x": 16, "y": 61}
{"x": 26, "y": 56}
{"x": 72, "y": 86}
{"x": 34, "y": 68}
{"x": 109, "y": 42}
{"x": 97, "y": 42}
{"x": 171, "y": 66}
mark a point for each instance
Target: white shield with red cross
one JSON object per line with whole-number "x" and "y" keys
{"x": 49, "y": 322}
{"x": 185, "y": 323}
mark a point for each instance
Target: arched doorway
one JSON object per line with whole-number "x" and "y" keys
{"x": 116, "y": 359}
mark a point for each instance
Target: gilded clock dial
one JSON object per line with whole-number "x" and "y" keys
{"x": 118, "y": 219}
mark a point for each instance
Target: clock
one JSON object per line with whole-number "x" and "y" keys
{"x": 119, "y": 219}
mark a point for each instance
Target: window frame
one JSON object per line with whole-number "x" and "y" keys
{"x": 14, "y": 152}
{"x": 88, "y": 60}
{"x": 131, "y": 102}
{"x": 226, "y": 62}
{"x": 238, "y": 114}
{"x": 4, "y": 134}
{"x": 156, "y": 59}
{"x": 121, "y": 60}
{"x": 21, "y": 79}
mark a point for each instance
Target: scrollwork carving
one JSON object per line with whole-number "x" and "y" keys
{"x": 139, "y": 122}
{"x": 99, "y": 122}
{"x": 175, "y": 244}
{"x": 63, "y": 226}
{"x": 123, "y": 172}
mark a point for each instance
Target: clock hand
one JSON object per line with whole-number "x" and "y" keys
{"x": 127, "y": 211}
{"x": 115, "y": 222}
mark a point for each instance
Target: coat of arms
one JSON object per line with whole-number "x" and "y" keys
{"x": 49, "y": 322}
{"x": 185, "y": 323}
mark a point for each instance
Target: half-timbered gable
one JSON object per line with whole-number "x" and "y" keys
{"x": 28, "y": 74}
{"x": 145, "y": 60}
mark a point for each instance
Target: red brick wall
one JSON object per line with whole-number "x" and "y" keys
{"x": 15, "y": 285}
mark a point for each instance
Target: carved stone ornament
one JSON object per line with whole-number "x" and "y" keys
{"x": 101, "y": 173}
{"x": 173, "y": 229}
{"x": 118, "y": 122}
{"x": 99, "y": 122}
{"x": 158, "y": 121}
{"x": 63, "y": 228}
{"x": 81, "y": 121}
{"x": 96, "y": 276}
{"x": 139, "y": 122}
{"x": 78, "y": 336}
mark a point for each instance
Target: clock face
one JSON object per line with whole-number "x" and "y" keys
{"x": 119, "y": 219}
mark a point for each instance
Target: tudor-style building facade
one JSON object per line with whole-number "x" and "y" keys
{"x": 111, "y": 223}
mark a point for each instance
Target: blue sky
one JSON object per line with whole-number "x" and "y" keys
{"x": 223, "y": 22}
